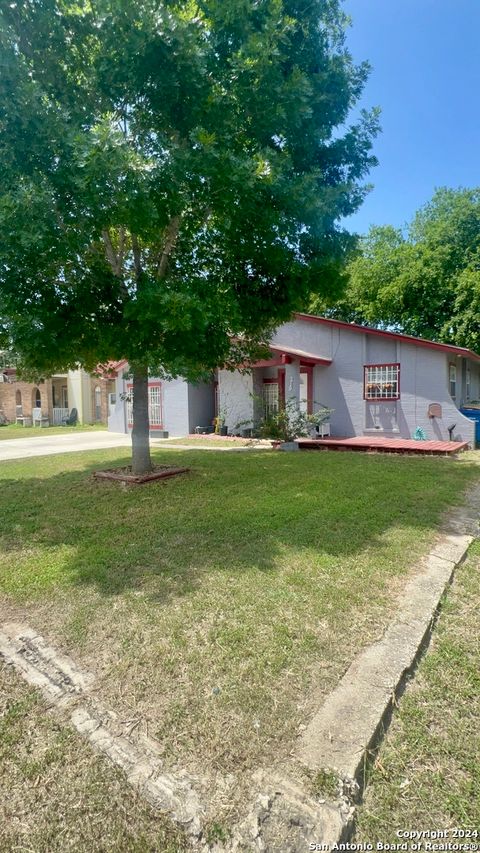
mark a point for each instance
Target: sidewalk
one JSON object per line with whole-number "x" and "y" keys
{"x": 47, "y": 445}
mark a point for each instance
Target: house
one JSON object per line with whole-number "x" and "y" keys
{"x": 175, "y": 406}
{"x": 376, "y": 382}
{"x": 54, "y": 398}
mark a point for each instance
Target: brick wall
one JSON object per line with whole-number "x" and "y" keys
{"x": 10, "y": 392}
{"x": 105, "y": 386}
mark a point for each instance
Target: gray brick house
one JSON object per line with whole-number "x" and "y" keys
{"x": 377, "y": 382}
{"x": 175, "y": 406}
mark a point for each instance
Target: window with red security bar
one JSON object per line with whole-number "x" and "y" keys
{"x": 155, "y": 405}
{"x": 381, "y": 382}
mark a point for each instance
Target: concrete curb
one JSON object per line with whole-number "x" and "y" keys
{"x": 348, "y": 725}
{"x": 67, "y": 688}
{"x": 341, "y": 737}
{"x": 344, "y": 734}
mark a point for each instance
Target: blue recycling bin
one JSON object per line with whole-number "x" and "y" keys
{"x": 474, "y": 415}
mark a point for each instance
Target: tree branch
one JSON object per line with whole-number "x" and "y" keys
{"x": 171, "y": 236}
{"x": 137, "y": 256}
{"x": 111, "y": 255}
{"x": 121, "y": 247}
{"x": 116, "y": 260}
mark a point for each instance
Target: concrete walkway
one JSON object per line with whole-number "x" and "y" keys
{"x": 47, "y": 445}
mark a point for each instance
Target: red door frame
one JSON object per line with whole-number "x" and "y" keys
{"x": 280, "y": 380}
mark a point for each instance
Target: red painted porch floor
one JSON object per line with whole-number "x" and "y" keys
{"x": 383, "y": 445}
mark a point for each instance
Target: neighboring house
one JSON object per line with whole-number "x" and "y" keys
{"x": 54, "y": 398}
{"x": 376, "y": 382}
{"x": 175, "y": 406}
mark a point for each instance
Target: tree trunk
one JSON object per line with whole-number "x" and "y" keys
{"x": 141, "y": 462}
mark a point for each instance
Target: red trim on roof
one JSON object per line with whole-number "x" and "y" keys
{"x": 267, "y": 362}
{"x": 305, "y": 357}
{"x": 419, "y": 342}
{"x": 110, "y": 369}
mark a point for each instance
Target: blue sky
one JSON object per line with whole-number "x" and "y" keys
{"x": 425, "y": 57}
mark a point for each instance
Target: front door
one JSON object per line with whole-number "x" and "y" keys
{"x": 270, "y": 399}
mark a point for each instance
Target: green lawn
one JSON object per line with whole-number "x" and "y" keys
{"x": 427, "y": 775}
{"x": 221, "y": 605}
{"x": 19, "y": 431}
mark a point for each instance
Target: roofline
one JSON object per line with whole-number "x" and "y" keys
{"x": 419, "y": 342}
{"x": 300, "y": 354}
{"x": 109, "y": 369}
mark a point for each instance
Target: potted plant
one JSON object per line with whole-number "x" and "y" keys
{"x": 220, "y": 428}
{"x": 244, "y": 428}
{"x": 289, "y": 423}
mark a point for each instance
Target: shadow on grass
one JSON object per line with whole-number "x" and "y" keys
{"x": 232, "y": 513}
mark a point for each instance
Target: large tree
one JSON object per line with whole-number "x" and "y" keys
{"x": 172, "y": 177}
{"x": 424, "y": 281}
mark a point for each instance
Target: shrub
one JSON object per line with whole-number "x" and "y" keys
{"x": 290, "y": 423}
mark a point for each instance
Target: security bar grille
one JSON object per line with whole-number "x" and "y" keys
{"x": 382, "y": 381}
{"x": 155, "y": 414}
{"x": 270, "y": 399}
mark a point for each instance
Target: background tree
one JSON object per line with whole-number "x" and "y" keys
{"x": 425, "y": 282}
{"x": 172, "y": 178}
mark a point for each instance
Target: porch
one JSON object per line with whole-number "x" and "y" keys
{"x": 378, "y": 444}
{"x": 287, "y": 376}
{"x": 59, "y": 403}
{"x": 248, "y": 397}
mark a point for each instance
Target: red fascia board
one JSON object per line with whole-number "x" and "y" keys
{"x": 109, "y": 369}
{"x": 305, "y": 357}
{"x": 311, "y": 362}
{"x": 266, "y": 362}
{"x": 286, "y": 357}
{"x": 367, "y": 330}
{"x": 118, "y": 365}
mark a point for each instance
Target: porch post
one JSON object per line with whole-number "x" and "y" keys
{"x": 292, "y": 383}
{"x": 74, "y": 392}
{"x": 49, "y": 395}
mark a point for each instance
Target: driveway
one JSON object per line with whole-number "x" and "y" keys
{"x": 47, "y": 445}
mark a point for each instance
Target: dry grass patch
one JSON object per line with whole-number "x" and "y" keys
{"x": 211, "y": 441}
{"x": 57, "y": 796}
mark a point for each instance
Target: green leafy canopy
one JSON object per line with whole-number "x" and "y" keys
{"x": 425, "y": 282}
{"x": 172, "y": 174}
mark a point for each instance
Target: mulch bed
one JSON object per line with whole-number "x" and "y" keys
{"x": 125, "y": 475}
